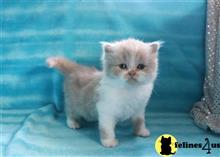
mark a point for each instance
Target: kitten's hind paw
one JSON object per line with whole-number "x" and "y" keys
{"x": 72, "y": 124}
{"x": 109, "y": 142}
{"x": 144, "y": 132}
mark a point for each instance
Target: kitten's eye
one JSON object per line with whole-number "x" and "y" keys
{"x": 140, "y": 66}
{"x": 123, "y": 66}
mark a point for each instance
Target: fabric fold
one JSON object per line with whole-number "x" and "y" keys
{"x": 206, "y": 113}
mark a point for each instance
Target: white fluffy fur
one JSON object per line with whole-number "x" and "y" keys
{"x": 108, "y": 99}
{"x": 119, "y": 103}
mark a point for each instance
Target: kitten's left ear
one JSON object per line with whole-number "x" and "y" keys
{"x": 106, "y": 47}
{"x": 156, "y": 45}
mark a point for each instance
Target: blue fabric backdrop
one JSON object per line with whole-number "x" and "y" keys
{"x": 31, "y": 94}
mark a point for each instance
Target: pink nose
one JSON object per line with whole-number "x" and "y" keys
{"x": 131, "y": 73}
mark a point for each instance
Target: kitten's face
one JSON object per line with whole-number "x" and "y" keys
{"x": 131, "y": 61}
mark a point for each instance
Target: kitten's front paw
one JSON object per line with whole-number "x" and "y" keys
{"x": 72, "y": 124}
{"x": 142, "y": 132}
{"x": 52, "y": 61}
{"x": 109, "y": 142}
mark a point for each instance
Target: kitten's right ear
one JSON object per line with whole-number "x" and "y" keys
{"x": 107, "y": 47}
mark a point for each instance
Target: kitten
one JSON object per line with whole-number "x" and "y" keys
{"x": 117, "y": 93}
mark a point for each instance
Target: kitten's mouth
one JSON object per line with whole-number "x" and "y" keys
{"x": 132, "y": 80}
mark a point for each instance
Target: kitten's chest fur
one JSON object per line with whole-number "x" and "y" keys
{"x": 123, "y": 101}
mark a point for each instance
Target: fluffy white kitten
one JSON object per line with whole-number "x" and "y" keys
{"x": 120, "y": 92}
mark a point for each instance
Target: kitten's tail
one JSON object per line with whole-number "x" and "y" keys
{"x": 62, "y": 64}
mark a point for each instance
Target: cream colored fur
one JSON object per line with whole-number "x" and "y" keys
{"x": 115, "y": 94}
